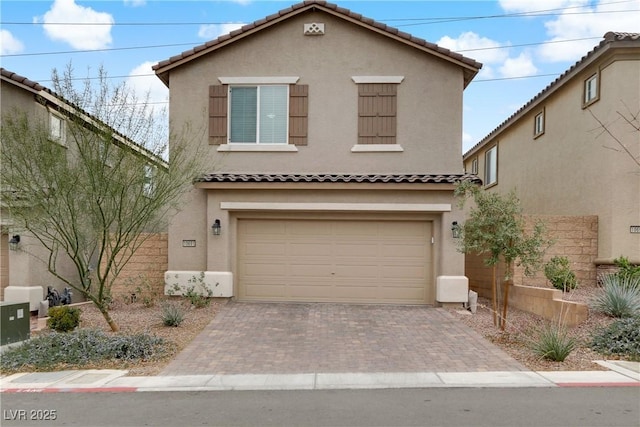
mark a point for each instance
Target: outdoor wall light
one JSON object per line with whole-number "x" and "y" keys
{"x": 216, "y": 227}
{"x": 14, "y": 242}
{"x": 455, "y": 229}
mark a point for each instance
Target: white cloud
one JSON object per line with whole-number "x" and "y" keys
{"x": 592, "y": 21}
{"x": 518, "y": 67}
{"x": 135, "y": 3}
{"x": 78, "y": 36}
{"x": 520, "y": 6}
{"x": 469, "y": 41}
{"x": 143, "y": 80}
{"x": 9, "y": 44}
{"x": 213, "y": 31}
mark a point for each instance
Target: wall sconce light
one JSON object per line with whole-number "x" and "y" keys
{"x": 216, "y": 227}
{"x": 14, "y": 242}
{"x": 455, "y": 229}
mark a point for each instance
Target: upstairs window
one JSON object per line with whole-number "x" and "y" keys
{"x": 148, "y": 186}
{"x": 56, "y": 129}
{"x": 591, "y": 92}
{"x": 258, "y": 114}
{"x": 258, "y": 111}
{"x": 538, "y": 124}
{"x": 491, "y": 166}
{"x": 474, "y": 166}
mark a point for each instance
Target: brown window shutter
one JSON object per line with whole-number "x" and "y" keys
{"x": 298, "y": 114}
{"x": 218, "y": 114}
{"x": 377, "y": 110}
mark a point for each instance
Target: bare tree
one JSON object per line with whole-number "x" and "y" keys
{"x": 95, "y": 196}
{"x": 632, "y": 122}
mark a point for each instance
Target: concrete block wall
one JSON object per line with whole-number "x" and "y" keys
{"x": 548, "y": 304}
{"x": 145, "y": 269}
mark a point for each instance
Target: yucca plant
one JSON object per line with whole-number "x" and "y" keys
{"x": 619, "y": 296}
{"x": 172, "y": 314}
{"x": 554, "y": 343}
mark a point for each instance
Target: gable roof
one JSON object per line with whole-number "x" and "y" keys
{"x": 46, "y": 96}
{"x": 610, "y": 41}
{"x": 470, "y": 66}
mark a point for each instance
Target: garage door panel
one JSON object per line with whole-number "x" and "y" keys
{"x": 264, "y": 248}
{"x": 335, "y": 261}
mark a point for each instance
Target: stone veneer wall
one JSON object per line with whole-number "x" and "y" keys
{"x": 576, "y": 237}
{"x": 145, "y": 270}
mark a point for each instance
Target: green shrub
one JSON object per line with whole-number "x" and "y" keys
{"x": 554, "y": 343}
{"x": 619, "y": 296}
{"x": 558, "y": 272}
{"x": 79, "y": 348}
{"x": 63, "y": 318}
{"x": 172, "y": 314}
{"x": 622, "y": 337}
{"x": 627, "y": 270}
{"x": 197, "y": 291}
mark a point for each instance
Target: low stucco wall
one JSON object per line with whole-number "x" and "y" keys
{"x": 548, "y": 304}
{"x": 576, "y": 237}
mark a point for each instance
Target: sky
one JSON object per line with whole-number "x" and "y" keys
{"x": 523, "y": 45}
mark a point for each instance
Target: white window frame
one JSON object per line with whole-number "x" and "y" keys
{"x": 148, "y": 186}
{"x": 258, "y": 87}
{"x": 491, "y": 166}
{"x": 59, "y": 136}
{"x": 474, "y": 166}
{"x": 591, "y": 90}
{"x": 539, "y": 124}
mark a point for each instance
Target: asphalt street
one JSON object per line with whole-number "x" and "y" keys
{"x": 573, "y": 406}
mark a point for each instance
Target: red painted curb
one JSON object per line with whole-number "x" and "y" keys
{"x": 612, "y": 384}
{"x": 72, "y": 390}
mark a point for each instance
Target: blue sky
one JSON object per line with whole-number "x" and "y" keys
{"x": 524, "y": 45}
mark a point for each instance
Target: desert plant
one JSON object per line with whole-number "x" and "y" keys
{"x": 622, "y": 337}
{"x": 63, "y": 318}
{"x": 80, "y": 348}
{"x": 172, "y": 314}
{"x": 554, "y": 343}
{"x": 197, "y": 291}
{"x": 626, "y": 269}
{"x": 619, "y": 296}
{"x": 558, "y": 272}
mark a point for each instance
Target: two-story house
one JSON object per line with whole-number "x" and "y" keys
{"x": 24, "y": 259}
{"x": 574, "y": 150}
{"x": 334, "y": 145}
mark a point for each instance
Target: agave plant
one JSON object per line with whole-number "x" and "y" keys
{"x": 619, "y": 296}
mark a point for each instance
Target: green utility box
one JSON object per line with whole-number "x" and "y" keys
{"x": 14, "y": 322}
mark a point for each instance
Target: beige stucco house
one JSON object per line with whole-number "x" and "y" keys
{"x": 334, "y": 144}
{"x": 571, "y": 152}
{"x": 23, "y": 259}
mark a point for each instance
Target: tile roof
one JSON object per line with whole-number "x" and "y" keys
{"x": 327, "y": 7}
{"x": 608, "y": 39}
{"x": 341, "y": 178}
{"x": 20, "y": 79}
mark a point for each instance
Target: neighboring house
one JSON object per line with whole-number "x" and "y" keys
{"x": 23, "y": 266}
{"x": 334, "y": 145}
{"x": 560, "y": 160}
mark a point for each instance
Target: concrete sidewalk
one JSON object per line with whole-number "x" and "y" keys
{"x": 620, "y": 374}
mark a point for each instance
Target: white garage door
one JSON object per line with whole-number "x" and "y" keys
{"x": 335, "y": 261}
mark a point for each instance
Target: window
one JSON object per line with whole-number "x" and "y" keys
{"x": 245, "y": 115}
{"x": 474, "y": 166}
{"x": 148, "y": 186}
{"x": 258, "y": 114}
{"x": 591, "y": 94}
{"x": 56, "y": 128}
{"x": 491, "y": 166}
{"x": 538, "y": 124}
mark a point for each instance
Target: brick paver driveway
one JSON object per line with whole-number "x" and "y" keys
{"x": 263, "y": 338}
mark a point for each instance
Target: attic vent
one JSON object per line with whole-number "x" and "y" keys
{"x": 313, "y": 29}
